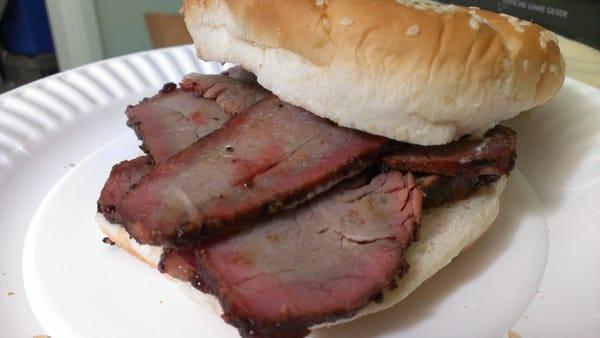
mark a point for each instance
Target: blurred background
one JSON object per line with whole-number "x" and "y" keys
{"x": 41, "y": 37}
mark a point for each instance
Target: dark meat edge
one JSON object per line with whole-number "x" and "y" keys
{"x": 123, "y": 176}
{"x": 191, "y": 267}
{"x": 439, "y": 190}
{"x": 494, "y": 154}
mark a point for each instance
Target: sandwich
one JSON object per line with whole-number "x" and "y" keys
{"x": 354, "y": 151}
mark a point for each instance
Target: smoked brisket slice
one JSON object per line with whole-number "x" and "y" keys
{"x": 494, "y": 154}
{"x": 172, "y": 120}
{"x": 321, "y": 261}
{"x": 175, "y": 118}
{"x": 438, "y": 190}
{"x": 123, "y": 177}
{"x": 271, "y": 157}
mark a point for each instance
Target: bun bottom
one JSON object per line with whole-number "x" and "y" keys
{"x": 444, "y": 233}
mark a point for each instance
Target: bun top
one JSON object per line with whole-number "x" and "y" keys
{"x": 409, "y": 70}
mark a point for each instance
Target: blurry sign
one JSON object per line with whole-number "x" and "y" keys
{"x": 575, "y": 19}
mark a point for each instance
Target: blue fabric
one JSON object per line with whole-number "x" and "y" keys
{"x": 25, "y": 29}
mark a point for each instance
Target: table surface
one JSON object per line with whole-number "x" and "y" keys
{"x": 583, "y": 62}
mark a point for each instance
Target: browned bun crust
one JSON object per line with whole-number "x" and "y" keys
{"x": 407, "y": 70}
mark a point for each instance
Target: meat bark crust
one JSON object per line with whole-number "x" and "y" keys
{"x": 438, "y": 190}
{"x": 123, "y": 176}
{"x": 493, "y": 155}
{"x": 271, "y": 157}
{"x": 175, "y": 118}
{"x": 319, "y": 262}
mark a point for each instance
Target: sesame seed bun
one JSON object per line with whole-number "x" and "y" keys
{"x": 407, "y": 70}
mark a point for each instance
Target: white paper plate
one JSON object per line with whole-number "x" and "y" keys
{"x": 72, "y": 126}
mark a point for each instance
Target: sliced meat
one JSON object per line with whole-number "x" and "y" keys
{"x": 234, "y": 92}
{"x": 172, "y": 120}
{"x": 175, "y": 118}
{"x": 492, "y": 155}
{"x": 179, "y": 262}
{"x": 319, "y": 262}
{"x": 273, "y": 156}
{"x": 438, "y": 190}
{"x": 239, "y": 73}
{"x": 122, "y": 177}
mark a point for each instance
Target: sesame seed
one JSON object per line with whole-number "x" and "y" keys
{"x": 346, "y": 21}
{"x": 319, "y": 2}
{"x": 519, "y": 28}
{"x": 326, "y": 23}
{"x": 524, "y": 23}
{"x": 473, "y": 7}
{"x": 543, "y": 41}
{"x": 413, "y": 30}
{"x": 553, "y": 68}
{"x": 508, "y": 17}
{"x": 428, "y": 5}
{"x": 474, "y": 24}
{"x": 543, "y": 69}
{"x": 525, "y": 65}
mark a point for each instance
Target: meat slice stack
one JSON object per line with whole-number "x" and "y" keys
{"x": 456, "y": 170}
{"x": 270, "y": 157}
{"x": 321, "y": 261}
{"x": 243, "y": 191}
